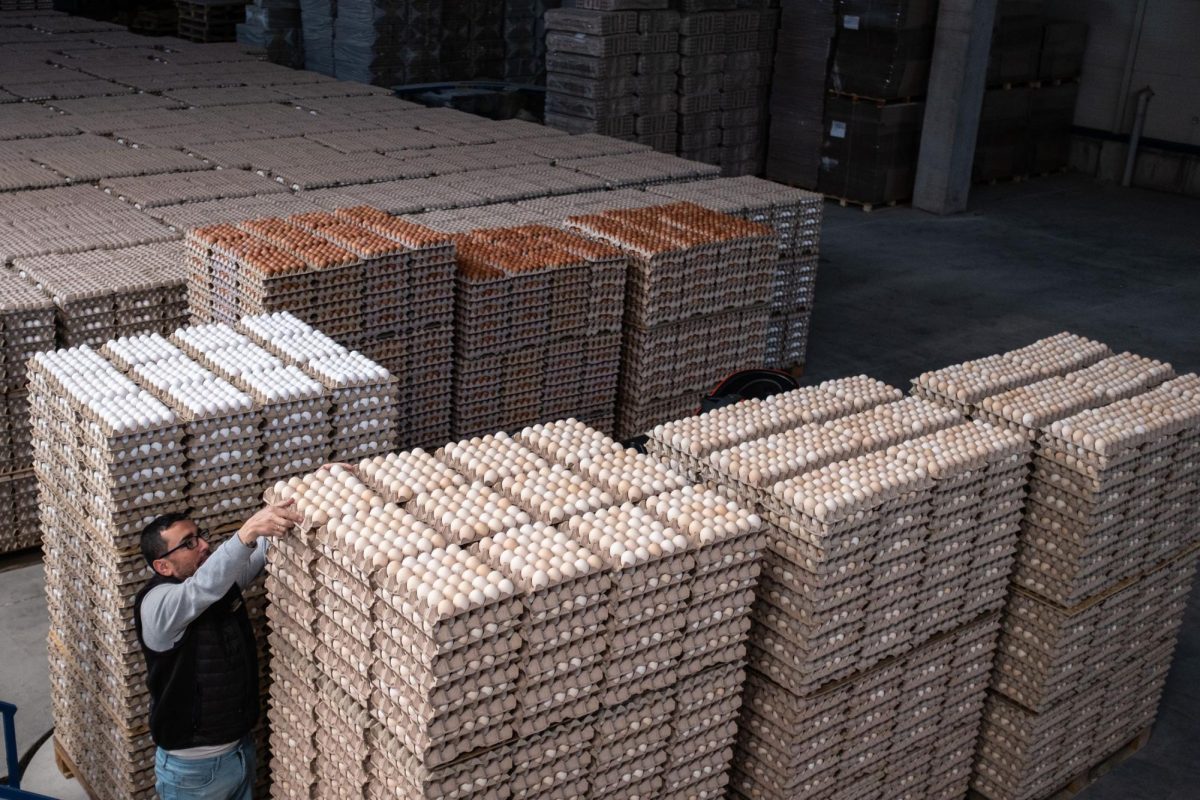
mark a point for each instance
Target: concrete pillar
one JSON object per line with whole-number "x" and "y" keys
{"x": 956, "y": 82}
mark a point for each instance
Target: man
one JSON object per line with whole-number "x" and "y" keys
{"x": 201, "y": 663}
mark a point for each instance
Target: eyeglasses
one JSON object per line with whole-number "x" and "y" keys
{"x": 190, "y": 542}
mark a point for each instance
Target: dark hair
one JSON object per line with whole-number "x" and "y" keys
{"x": 152, "y": 542}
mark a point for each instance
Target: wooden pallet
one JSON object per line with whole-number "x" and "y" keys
{"x": 1086, "y": 777}
{"x": 847, "y": 201}
{"x": 68, "y": 769}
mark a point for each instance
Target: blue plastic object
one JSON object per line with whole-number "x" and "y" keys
{"x": 13, "y": 790}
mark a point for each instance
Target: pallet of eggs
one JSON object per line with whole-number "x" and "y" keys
{"x": 416, "y": 640}
{"x": 105, "y": 294}
{"x": 1075, "y": 685}
{"x": 428, "y": 290}
{"x": 110, "y": 457}
{"x": 572, "y": 692}
{"x": 677, "y": 745}
{"x": 696, "y": 296}
{"x": 904, "y": 728}
{"x": 796, "y": 217}
{"x": 882, "y": 514}
{"x": 537, "y": 328}
{"x": 27, "y": 328}
{"x": 591, "y": 70}
{"x": 373, "y": 282}
{"x": 221, "y": 426}
{"x": 362, "y": 394}
{"x": 1106, "y": 546}
{"x": 295, "y": 429}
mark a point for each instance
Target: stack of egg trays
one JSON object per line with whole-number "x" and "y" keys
{"x": 236, "y": 276}
{"x": 647, "y": 608}
{"x": 429, "y": 286}
{"x": 296, "y": 679}
{"x": 1043, "y": 724}
{"x": 384, "y": 263}
{"x": 890, "y": 575}
{"x": 96, "y": 669}
{"x": 295, "y": 427}
{"x": 591, "y": 62}
{"x": 335, "y": 299}
{"x": 345, "y": 630}
{"x": 362, "y": 395}
{"x": 221, "y": 449}
{"x": 1032, "y": 409}
{"x": 1107, "y": 492}
{"x": 26, "y": 327}
{"x": 562, "y": 633}
{"x": 105, "y": 294}
{"x": 630, "y": 747}
{"x": 656, "y": 99}
{"x": 458, "y": 670}
{"x": 717, "y": 622}
{"x": 964, "y": 386}
{"x": 906, "y": 727}
{"x": 555, "y": 763}
{"x": 19, "y": 496}
{"x": 214, "y": 271}
{"x": 687, "y": 443}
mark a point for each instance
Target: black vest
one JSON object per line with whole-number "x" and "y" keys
{"x": 203, "y": 691}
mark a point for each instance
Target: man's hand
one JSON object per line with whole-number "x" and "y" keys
{"x": 271, "y": 522}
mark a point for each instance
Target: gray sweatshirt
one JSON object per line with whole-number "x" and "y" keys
{"x": 169, "y": 608}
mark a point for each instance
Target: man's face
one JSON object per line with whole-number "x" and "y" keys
{"x": 186, "y": 551}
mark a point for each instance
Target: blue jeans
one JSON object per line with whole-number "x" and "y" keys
{"x": 227, "y": 777}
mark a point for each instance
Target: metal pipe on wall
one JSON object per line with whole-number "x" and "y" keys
{"x": 1144, "y": 96}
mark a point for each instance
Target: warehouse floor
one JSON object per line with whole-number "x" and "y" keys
{"x": 900, "y": 292}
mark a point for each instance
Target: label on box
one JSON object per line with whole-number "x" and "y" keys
{"x": 850, "y": 21}
{"x": 837, "y": 129}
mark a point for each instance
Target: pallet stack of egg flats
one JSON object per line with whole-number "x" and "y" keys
{"x": 696, "y": 303}
{"x": 537, "y": 328}
{"x": 416, "y": 660}
{"x": 654, "y": 743}
{"x": 362, "y": 394}
{"x": 106, "y": 294}
{"x": 195, "y": 425}
{"x": 749, "y": 57}
{"x": 375, "y": 283}
{"x": 109, "y": 459}
{"x": 591, "y": 70}
{"x": 525, "y": 40}
{"x": 1106, "y": 559}
{"x": 796, "y": 217}
{"x": 221, "y": 426}
{"x": 427, "y": 323}
{"x": 26, "y": 328}
{"x": 295, "y": 427}
{"x": 863, "y": 589}
{"x": 565, "y": 614}
{"x": 441, "y": 627}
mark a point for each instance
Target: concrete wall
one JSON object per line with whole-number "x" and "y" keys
{"x": 1131, "y": 44}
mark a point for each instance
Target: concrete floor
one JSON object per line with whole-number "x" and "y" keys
{"x": 901, "y": 292}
